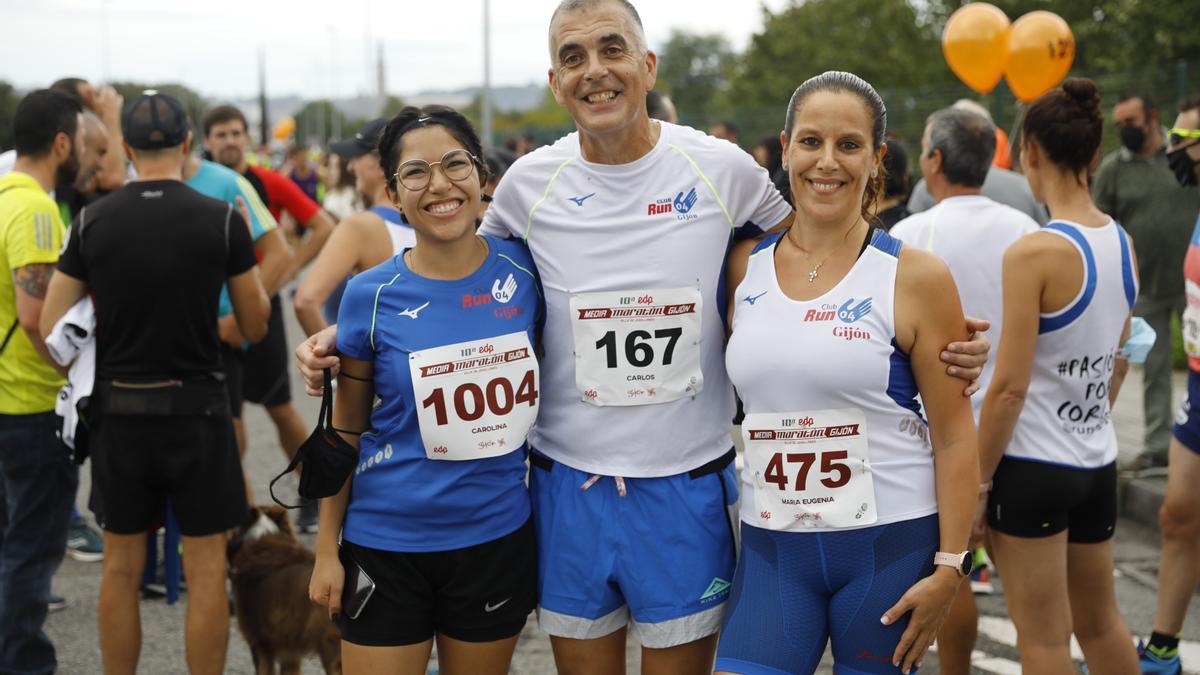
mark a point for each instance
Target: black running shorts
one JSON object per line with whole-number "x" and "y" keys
{"x": 141, "y": 461}
{"x": 481, "y": 593}
{"x": 265, "y": 364}
{"x": 1037, "y": 499}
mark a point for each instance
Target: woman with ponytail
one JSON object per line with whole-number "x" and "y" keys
{"x": 1047, "y": 445}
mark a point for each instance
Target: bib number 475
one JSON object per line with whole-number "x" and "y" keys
{"x": 837, "y": 472}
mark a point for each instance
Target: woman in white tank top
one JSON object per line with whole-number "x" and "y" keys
{"x": 1046, "y": 438}
{"x": 854, "y": 508}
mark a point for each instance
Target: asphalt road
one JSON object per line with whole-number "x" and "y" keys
{"x": 74, "y": 630}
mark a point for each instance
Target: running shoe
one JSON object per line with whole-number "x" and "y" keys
{"x": 1146, "y": 465}
{"x": 84, "y": 543}
{"x": 55, "y": 602}
{"x": 1153, "y": 664}
{"x": 306, "y": 519}
{"x": 981, "y": 581}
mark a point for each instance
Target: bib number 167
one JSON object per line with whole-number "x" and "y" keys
{"x": 837, "y": 472}
{"x": 639, "y": 352}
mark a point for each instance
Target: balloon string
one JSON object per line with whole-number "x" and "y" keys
{"x": 1012, "y": 137}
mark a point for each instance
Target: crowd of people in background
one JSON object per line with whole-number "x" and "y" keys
{"x": 586, "y": 472}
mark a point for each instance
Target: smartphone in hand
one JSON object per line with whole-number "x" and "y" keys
{"x": 358, "y": 587}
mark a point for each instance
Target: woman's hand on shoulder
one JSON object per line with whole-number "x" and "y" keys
{"x": 925, "y": 273}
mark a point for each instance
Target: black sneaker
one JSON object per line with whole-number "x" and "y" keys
{"x": 306, "y": 519}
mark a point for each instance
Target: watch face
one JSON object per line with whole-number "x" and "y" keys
{"x": 968, "y": 563}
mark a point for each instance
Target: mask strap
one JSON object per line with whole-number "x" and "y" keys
{"x": 324, "y": 419}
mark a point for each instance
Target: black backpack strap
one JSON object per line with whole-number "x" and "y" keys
{"x": 16, "y": 321}
{"x": 8, "y": 336}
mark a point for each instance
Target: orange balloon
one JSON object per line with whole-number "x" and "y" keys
{"x": 284, "y": 128}
{"x": 975, "y": 43}
{"x": 1041, "y": 49}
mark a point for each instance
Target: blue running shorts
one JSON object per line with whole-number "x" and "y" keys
{"x": 794, "y": 591}
{"x": 1187, "y": 422}
{"x": 661, "y": 553}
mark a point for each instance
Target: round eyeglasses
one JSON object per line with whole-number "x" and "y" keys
{"x": 457, "y": 165}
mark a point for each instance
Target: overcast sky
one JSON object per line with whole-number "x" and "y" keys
{"x": 314, "y": 48}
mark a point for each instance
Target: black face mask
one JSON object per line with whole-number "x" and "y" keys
{"x": 1133, "y": 138}
{"x": 328, "y": 459}
{"x": 1183, "y": 166}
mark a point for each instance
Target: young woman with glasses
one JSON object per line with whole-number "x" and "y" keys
{"x": 439, "y": 385}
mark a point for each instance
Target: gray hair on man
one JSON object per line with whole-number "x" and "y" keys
{"x": 577, "y": 5}
{"x": 967, "y": 141}
{"x": 973, "y": 106}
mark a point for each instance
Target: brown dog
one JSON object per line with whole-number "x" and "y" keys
{"x": 270, "y": 571}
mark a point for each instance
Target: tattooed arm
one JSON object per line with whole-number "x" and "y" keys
{"x": 30, "y": 283}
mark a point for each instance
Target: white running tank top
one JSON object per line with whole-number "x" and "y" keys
{"x": 1066, "y": 418}
{"x": 401, "y": 232}
{"x": 837, "y": 351}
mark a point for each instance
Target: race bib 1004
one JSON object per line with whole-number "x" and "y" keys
{"x": 637, "y": 347}
{"x": 475, "y": 399}
{"x": 810, "y": 469}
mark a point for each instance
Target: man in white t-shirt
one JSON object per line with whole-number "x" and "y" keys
{"x": 629, "y": 221}
{"x": 970, "y": 232}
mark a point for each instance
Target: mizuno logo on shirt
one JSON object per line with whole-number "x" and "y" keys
{"x": 412, "y": 313}
{"x": 580, "y": 200}
{"x": 751, "y": 299}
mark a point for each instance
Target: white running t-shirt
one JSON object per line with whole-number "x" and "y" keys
{"x": 631, "y": 258}
{"x": 970, "y": 233}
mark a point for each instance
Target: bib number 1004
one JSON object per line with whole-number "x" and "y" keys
{"x": 639, "y": 351}
{"x": 836, "y": 471}
{"x": 470, "y": 400}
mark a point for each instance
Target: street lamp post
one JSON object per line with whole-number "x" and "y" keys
{"x": 486, "y": 97}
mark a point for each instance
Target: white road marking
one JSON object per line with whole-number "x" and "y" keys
{"x": 1002, "y": 630}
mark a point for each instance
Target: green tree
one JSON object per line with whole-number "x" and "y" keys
{"x": 8, "y": 110}
{"x": 883, "y": 41}
{"x": 315, "y": 123}
{"x": 1110, "y": 35}
{"x": 393, "y": 105}
{"x": 694, "y": 69}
